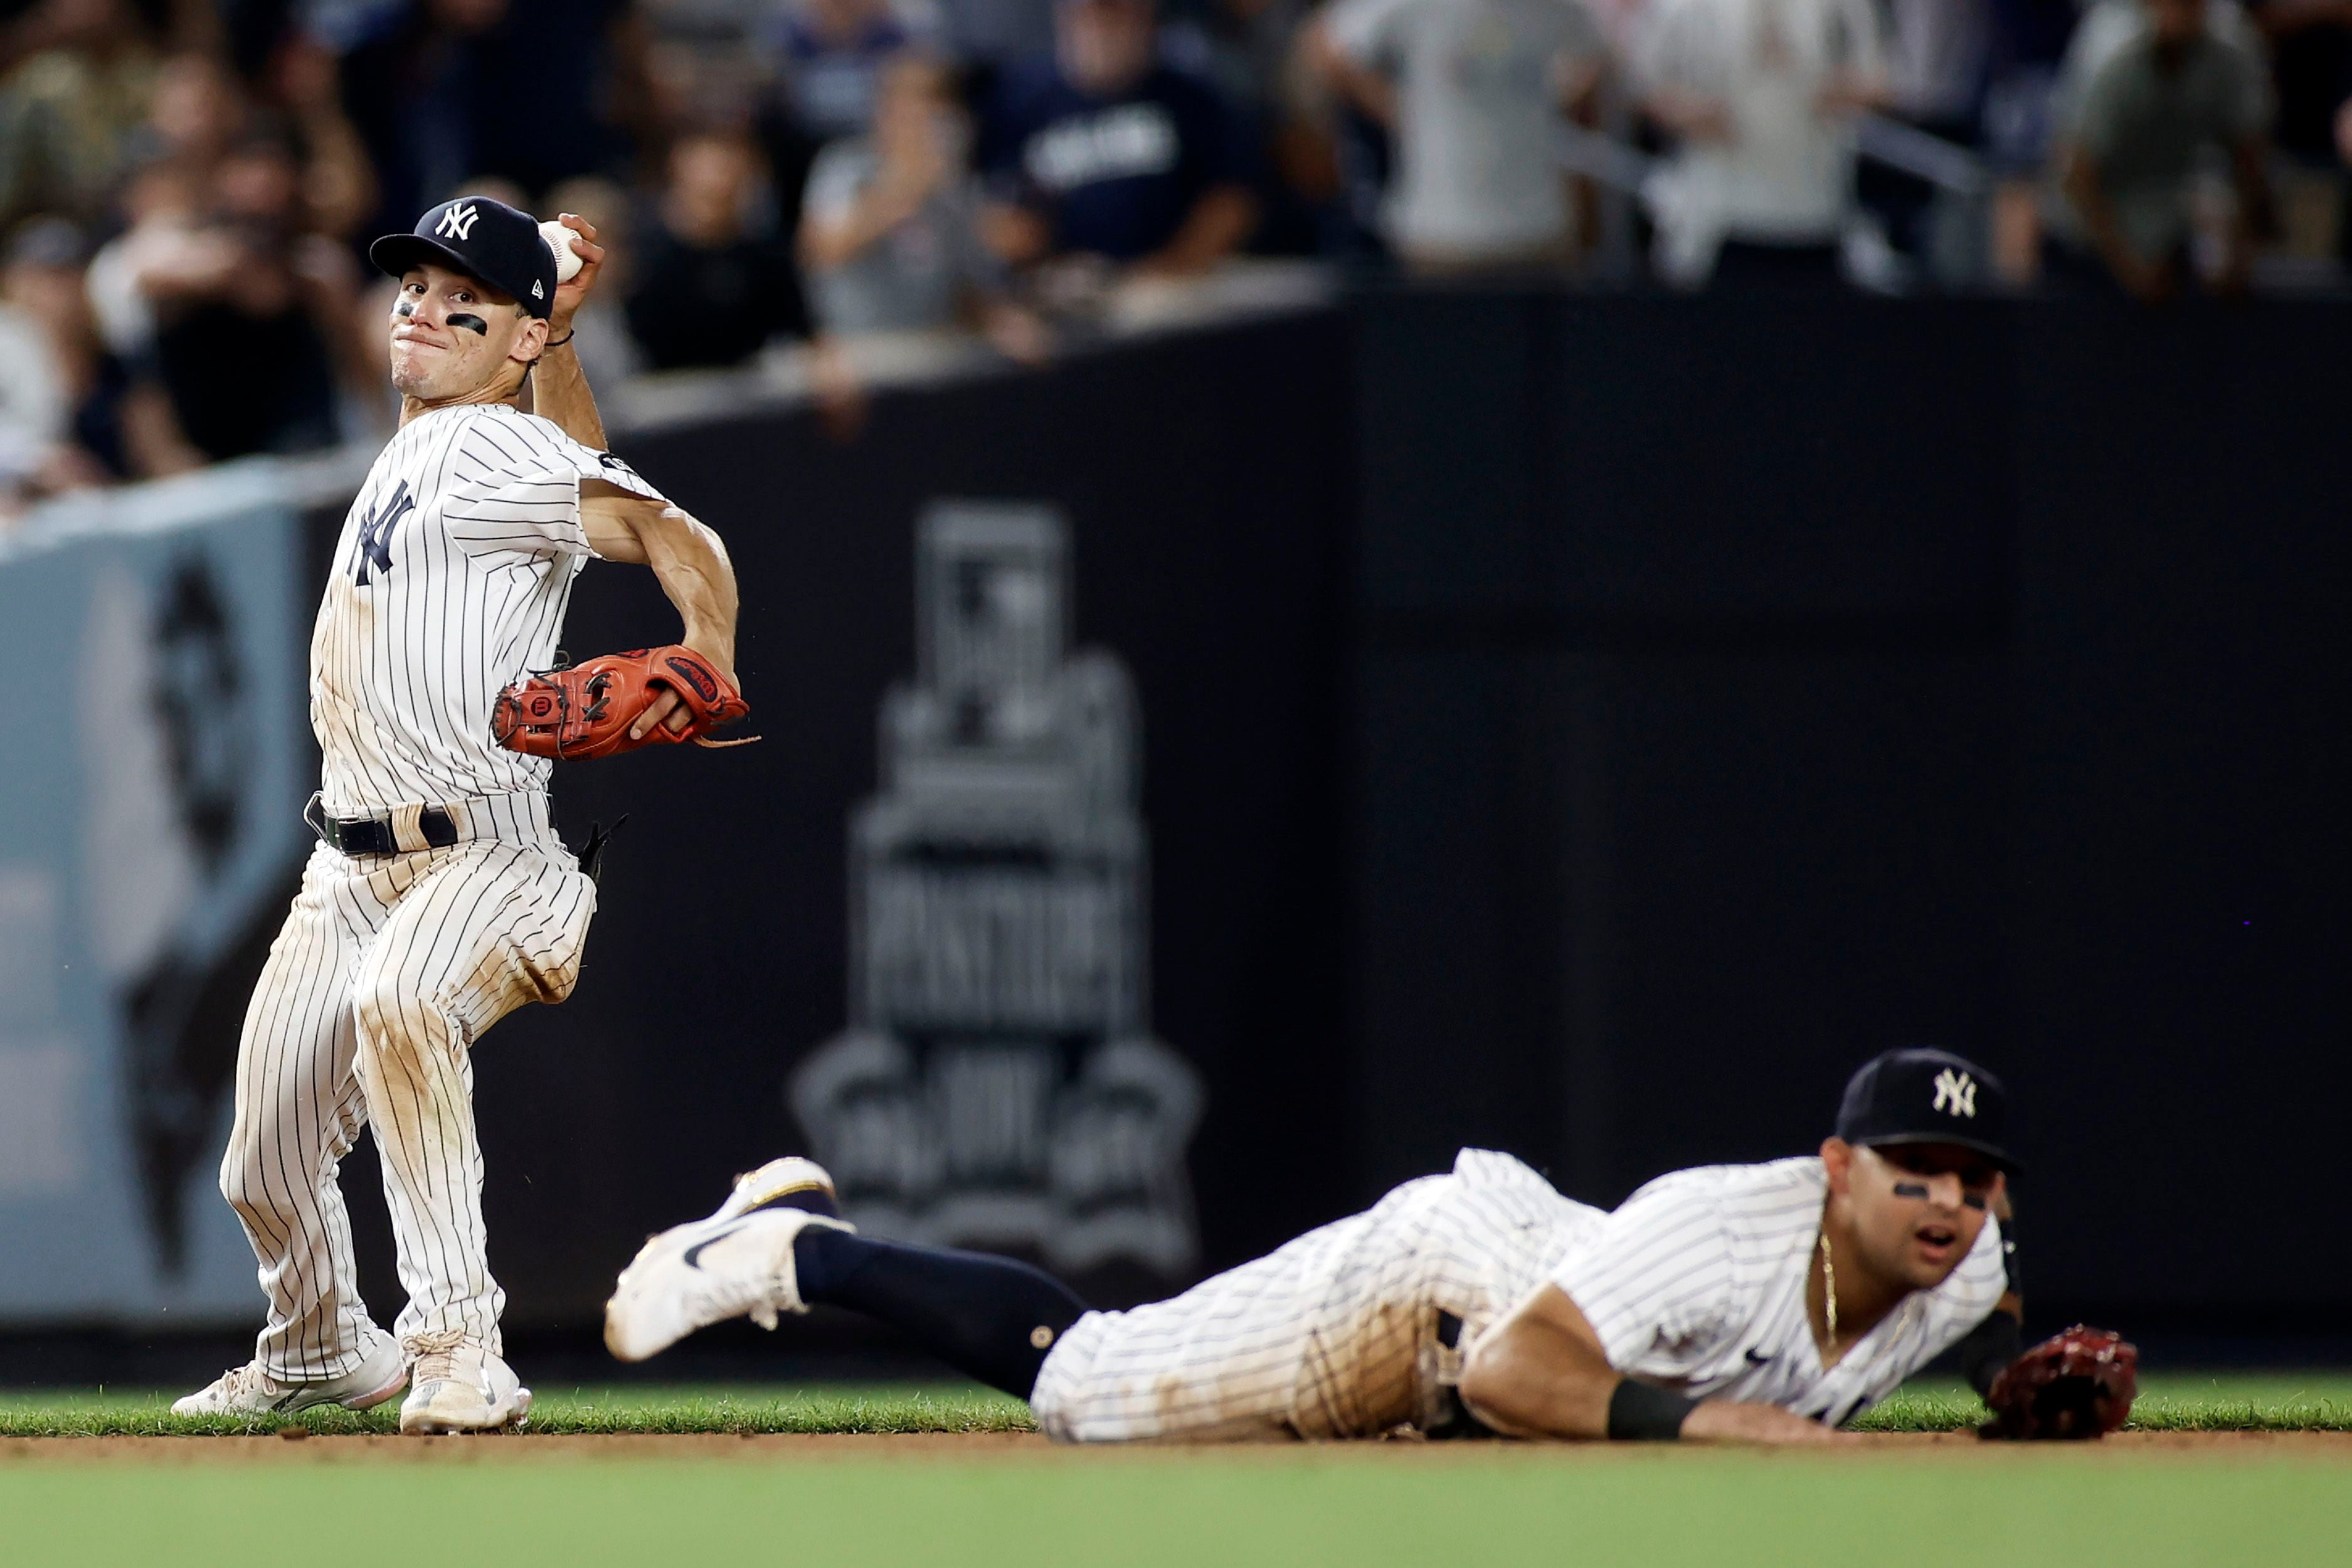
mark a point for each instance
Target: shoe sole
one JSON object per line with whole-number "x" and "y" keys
{"x": 367, "y": 1401}
{"x": 793, "y": 1175}
{"x": 428, "y": 1427}
{"x": 389, "y": 1391}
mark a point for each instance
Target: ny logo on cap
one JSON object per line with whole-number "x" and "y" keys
{"x": 458, "y": 222}
{"x": 1956, "y": 1093}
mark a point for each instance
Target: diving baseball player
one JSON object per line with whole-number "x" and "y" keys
{"x": 1765, "y": 1303}
{"x": 439, "y": 897}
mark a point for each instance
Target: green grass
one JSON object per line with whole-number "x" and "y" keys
{"x": 1356, "y": 1506}
{"x": 2168, "y": 1401}
{"x": 653, "y": 1408}
{"x": 2177, "y": 1402}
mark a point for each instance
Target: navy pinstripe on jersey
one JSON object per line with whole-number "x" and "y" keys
{"x": 450, "y": 581}
{"x": 1337, "y": 1335}
{"x": 1697, "y": 1283}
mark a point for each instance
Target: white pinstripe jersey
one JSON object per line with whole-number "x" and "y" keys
{"x": 450, "y": 581}
{"x": 1696, "y": 1283}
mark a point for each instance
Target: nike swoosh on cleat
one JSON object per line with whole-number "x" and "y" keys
{"x": 696, "y": 1250}
{"x": 1755, "y": 1360}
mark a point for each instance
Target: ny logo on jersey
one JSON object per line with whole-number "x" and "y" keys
{"x": 376, "y": 530}
{"x": 1956, "y": 1093}
{"x": 458, "y": 222}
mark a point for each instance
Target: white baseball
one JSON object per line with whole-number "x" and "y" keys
{"x": 559, "y": 240}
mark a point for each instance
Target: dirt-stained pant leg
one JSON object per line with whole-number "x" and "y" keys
{"x": 1219, "y": 1363}
{"x": 299, "y": 1109}
{"x": 490, "y": 927}
{"x": 1333, "y": 1335}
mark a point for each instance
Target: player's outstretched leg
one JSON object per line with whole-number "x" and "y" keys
{"x": 779, "y": 1245}
{"x": 298, "y": 1106}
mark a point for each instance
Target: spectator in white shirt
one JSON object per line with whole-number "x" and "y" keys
{"x": 1760, "y": 94}
{"x": 1471, "y": 92}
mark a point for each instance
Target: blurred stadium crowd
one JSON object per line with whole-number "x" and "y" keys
{"x": 186, "y": 186}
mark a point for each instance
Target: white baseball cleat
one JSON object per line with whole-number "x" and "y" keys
{"x": 247, "y": 1390}
{"x": 737, "y": 1263}
{"x": 459, "y": 1385}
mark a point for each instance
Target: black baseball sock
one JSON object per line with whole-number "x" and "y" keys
{"x": 986, "y": 1316}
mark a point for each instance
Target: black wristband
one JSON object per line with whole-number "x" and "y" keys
{"x": 1991, "y": 1345}
{"x": 559, "y": 343}
{"x": 1639, "y": 1413}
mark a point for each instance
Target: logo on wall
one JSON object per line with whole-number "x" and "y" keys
{"x": 998, "y": 1084}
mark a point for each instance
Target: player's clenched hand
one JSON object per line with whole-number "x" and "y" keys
{"x": 669, "y": 711}
{"x": 1733, "y": 1421}
{"x": 570, "y": 295}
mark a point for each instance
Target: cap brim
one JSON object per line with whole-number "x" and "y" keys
{"x": 395, "y": 254}
{"x": 1994, "y": 1151}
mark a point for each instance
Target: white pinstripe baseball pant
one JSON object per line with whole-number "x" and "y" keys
{"x": 387, "y": 971}
{"x": 1332, "y": 1335}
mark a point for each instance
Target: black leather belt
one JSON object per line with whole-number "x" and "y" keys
{"x": 374, "y": 834}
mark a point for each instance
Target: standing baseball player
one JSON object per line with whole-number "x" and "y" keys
{"x": 440, "y": 897}
{"x": 1765, "y": 1303}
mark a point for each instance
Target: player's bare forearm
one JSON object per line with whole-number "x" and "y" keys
{"x": 559, "y": 386}
{"x": 688, "y": 558}
{"x": 1540, "y": 1373}
{"x": 1736, "y": 1421}
{"x": 559, "y": 390}
{"x": 692, "y": 567}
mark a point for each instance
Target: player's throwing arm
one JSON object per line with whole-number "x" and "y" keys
{"x": 440, "y": 897}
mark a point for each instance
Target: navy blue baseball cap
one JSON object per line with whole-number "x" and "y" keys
{"x": 482, "y": 239}
{"x": 1921, "y": 1095}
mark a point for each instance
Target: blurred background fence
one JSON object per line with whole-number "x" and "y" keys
{"x": 1583, "y": 725}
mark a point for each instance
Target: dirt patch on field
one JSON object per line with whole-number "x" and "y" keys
{"x": 787, "y": 1447}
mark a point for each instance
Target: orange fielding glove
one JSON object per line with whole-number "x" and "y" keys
{"x": 586, "y": 710}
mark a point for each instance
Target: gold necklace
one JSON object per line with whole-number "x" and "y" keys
{"x": 1829, "y": 1289}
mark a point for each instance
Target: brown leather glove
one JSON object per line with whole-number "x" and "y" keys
{"x": 2080, "y": 1383}
{"x": 586, "y": 710}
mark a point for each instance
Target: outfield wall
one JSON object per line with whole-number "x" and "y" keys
{"x": 1580, "y": 726}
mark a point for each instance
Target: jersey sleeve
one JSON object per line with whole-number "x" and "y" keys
{"x": 1655, "y": 1281}
{"x": 515, "y": 488}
